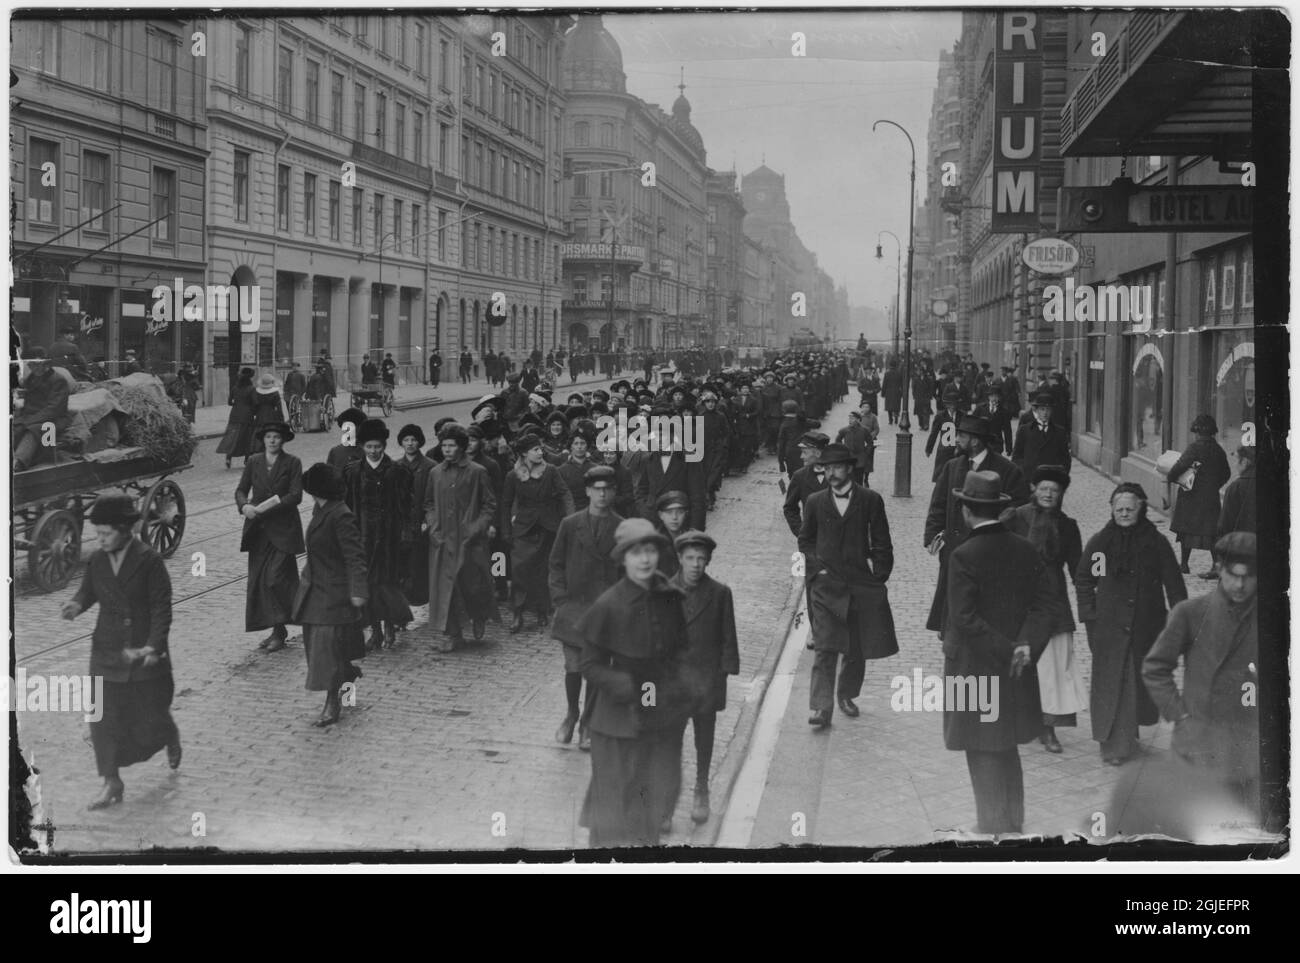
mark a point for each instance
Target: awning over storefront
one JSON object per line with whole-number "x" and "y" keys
{"x": 1171, "y": 83}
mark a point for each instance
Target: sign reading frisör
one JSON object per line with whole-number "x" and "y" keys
{"x": 1048, "y": 255}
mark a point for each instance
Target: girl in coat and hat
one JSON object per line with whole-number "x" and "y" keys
{"x": 378, "y": 493}
{"x": 534, "y": 501}
{"x": 1126, "y": 581}
{"x": 333, "y": 593}
{"x": 1056, "y": 536}
{"x": 238, "y": 439}
{"x": 1196, "y": 511}
{"x": 267, "y": 406}
{"x": 634, "y": 640}
{"x": 348, "y": 449}
{"x": 129, "y": 650}
{"x": 268, "y": 496}
{"x": 415, "y": 580}
{"x": 556, "y": 443}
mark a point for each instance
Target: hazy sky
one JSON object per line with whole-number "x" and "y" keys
{"x": 809, "y": 116}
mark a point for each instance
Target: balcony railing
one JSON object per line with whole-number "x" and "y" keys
{"x": 164, "y": 126}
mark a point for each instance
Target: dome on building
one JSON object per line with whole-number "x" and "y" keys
{"x": 592, "y": 59}
{"x": 682, "y": 117}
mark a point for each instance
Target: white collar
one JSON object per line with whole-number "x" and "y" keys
{"x": 979, "y": 460}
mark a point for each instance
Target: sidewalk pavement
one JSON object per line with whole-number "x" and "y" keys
{"x": 885, "y": 778}
{"x": 210, "y": 420}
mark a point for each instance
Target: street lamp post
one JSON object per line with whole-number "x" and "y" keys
{"x": 898, "y": 277}
{"x": 903, "y": 463}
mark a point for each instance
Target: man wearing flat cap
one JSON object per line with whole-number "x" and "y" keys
{"x": 944, "y": 525}
{"x": 998, "y": 622}
{"x": 1217, "y": 636}
{"x": 808, "y": 479}
{"x": 848, "y": 557}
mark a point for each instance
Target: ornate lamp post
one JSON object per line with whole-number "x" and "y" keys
{"x": 903, "y": 455}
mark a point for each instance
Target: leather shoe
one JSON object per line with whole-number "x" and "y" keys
{"x": 174, "y": 750}
{"x": 849, "y": 709}
{"x": 700, "y": 811}
{"x": 330, "y": 714}
{"x": 564, "y": 734}
{"x": 543, "y": 620}
{"x": 480, "y": 626}
{"x": 584, "y": 739}
{"x": 515, "y": 626}
{"x": 820, "y": 719}
{"x": 451, "y": 643}
{"x": 275, "y": 643}
{"x": 110, "y": 795}
{"x": 1050, "y": 742}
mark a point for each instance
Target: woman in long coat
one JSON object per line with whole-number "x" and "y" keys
{"x": 634, "y": 639}
{"x": 343, "y": 454}
{"x": 238, "y": 439}
{"x": 378, "y": 494}
{"x": 332, "y": 594}
{"x": 267, "y": 406}
{"x": 415, "y": 581}
{"x": 712, "y": 654}
{"x": 1126, "y": 581}
{"x": 1196, "y": 512}
{"x": 1056, "y": 536}
{"x": 556, "y": 444}
{"x": 534, "y": 502}
{"x": 129, "y": 650}
{"x": 268, "y": 497}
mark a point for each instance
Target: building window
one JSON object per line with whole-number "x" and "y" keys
{"x": 606, "y": 184}
{"x": 479, "y": 177}
{"x": 334, "y": 210}
{"x": 514, "y": 256}
{"x": 336, "y": 103}
{"x": 579, "y": 185}
{"x": 606, "y": 135}
{"x": 444, "y": 136}
{"x": 581, "y": 134}
{"x": 1248, "y": 279}
{"x": 712, "y": 246}
{"x": 313, "y": 92}
{"x": 363, "y": 30}
{"x": 492, "y": 250}
{"x": 492, "y": 171}
{"x": 579, "y": 288}
{"x": 713, "y": 213}
{"x": 514, "y": 194}
{"x": 94, "y": 190}
{"x": 383, "y": 35}
{"x": 416, "y": 233}
{"x": 381, "y": 121}
{"x": 528, "y": 187}
{"x": 397, "y": 225}
{"x": 359, "y": 112}
{"x": 465, "y": 169}
{"x": 358, "y": 204}
{"x": 242, "y": 159}
{"x": 442, "y": 235}
{"x": 505, "y": 190}
{"x": 309, "y": 203}
{"x": 164, "y": 205}
{"x": 41, "y": 205}
{"x": 399, "y": 129}
{"x": 417, "y": 120}
{"x": 420, "y": 67}
{"x": 44, "y": 54}
{"x": 444, "y": 70}
{"x": 493, "y": 85}
{"x": 282, "y": 179}
{"x": 464, "y": 243}
{"x": 466, "y": 77}
{"x": 1096, "y": 384}
{"x": 284, "y": 84}
{"x": 163, "y": 77}
{"x": 96, "y": 69}
{"x": 480, "y": 95}
{"x": 606, "y": 287}
{"x": 401, "y": 40}
{"x": 1146, "y": 418}
{"x": 378, "y": 221}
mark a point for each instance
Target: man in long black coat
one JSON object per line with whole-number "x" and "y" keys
{"x": 808, "y": 479}
{"x": 998, "y": 624}
{"x": 999, "y": 419}
{"x": 936, "y": 443}
{"x": 1040, "y": 441}
{"x": 664, "y": 472}
{"x": 847, "y": 561}
{"x": 944, "y": 527}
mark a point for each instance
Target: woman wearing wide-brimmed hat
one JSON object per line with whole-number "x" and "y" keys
{"x": 634, "y": 643}
{"x": 1056, "y": 536}
{"x": 129, "y": 649}
{"x": 333, "y": 592}
{"x": 267, "y": 406}
{"x": 378, "y": 493}
{"x": 268, "y": 497}
{"x": 238, "y": 439}
{"x": 533, "y": 503}
{"x": 1196, "y": 510}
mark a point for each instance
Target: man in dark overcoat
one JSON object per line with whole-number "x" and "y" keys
{"x": 936, "y": 443}
{"x": 848, "y": 557}
{"x": 580, "y": 569}
{"x": 268, "y": 496}
{"x": 670, "y": 471}
{"x": 944, "y": 525}
{"x": 998, "y": 624}
{"x": 808, "y": 479}
{"x": 1039, "y": 440}
{"x": 999, "y": 419}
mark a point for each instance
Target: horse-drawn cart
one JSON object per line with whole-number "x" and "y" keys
{"x": 50, "y": 503}
{"x": 380, "y": 395}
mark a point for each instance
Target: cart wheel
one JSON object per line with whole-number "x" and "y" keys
{"x": 327, "y": 413}
{"x": 163, "y": 517}
{"x": 386, "y": 402}
{"x": 56, "y": 549}
{"x": 295, "y": 414}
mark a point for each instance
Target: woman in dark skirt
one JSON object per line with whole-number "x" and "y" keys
{"x": 378, "y": 493}
{"x": 1126, "y": 574}
{"x": 268, "y": 497}
{"x": 238, "y": 439}
{"x": 332, "y": 594}
{"x": 533, "y": 503}
{"x": 1056, "y": 536}
{"x": 267, "y": 406}
{"x": 634, "y": 643}
{"x": 415, "y": 575}
{"x": 129, "y": 649}
{"x": 348, "y": 449}
{"x": 1196, "y": 512}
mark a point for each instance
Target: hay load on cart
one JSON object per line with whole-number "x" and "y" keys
{"x": 125, "y": 434}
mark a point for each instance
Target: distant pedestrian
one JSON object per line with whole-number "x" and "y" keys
{"x": 268, "y": 408}
{"x": 238, "y": 439}
{"x": 534, "y": 501}
{"x": 388, "y": 370}
{"x": 1196, "y": 510}
{"x": 130, "y": 647}
{"x": 435, "y": 368}
{"x": 1238, "y": 511}
{"x": 415, "y": 573}
{"x": 1039, "y": 440}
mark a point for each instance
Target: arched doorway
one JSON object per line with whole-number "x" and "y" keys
{"x": 578, "y": 337}
{"x": 608, "y": 332}
{"x": 242, "y": 345}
